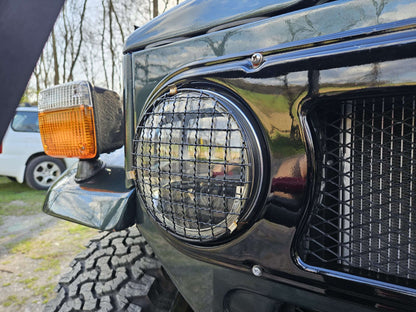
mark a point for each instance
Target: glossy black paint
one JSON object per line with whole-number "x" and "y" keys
{"x": 199, "y": 16}
{"x": 213, "y": 287}
{"x": 315, "y": 61}
{"x": 295, "y": 31}
{"x": 102, "y": 202}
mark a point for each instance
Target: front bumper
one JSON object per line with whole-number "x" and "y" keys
{"x": 102, "y": 202}
{"x": 214, "y": 287}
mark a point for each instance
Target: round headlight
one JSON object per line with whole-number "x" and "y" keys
{"x": 194, "y": 155}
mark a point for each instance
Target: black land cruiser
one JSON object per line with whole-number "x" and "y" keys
{"x": 268, "y": 161}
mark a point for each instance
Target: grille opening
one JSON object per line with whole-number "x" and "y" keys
{"x": 364, "y": 220}
{"x": 194, "y": 164}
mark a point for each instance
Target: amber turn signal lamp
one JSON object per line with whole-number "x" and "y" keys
{"x": 69, "y": 132}
{"x": 79, "y": 120}
{"x": 66, "y": 121}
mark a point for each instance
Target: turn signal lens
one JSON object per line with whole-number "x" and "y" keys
{"x": 69, "y": 132}
{"x": 66, "y": 121}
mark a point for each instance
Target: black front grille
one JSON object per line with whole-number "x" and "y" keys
{"x": 364, "y": 220}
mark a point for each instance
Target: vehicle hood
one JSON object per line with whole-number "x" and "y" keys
{"x": 198, "y": 16}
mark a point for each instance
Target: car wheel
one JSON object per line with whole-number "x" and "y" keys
{"x": 118, "y": 272}
{"x": 42, "y": 171}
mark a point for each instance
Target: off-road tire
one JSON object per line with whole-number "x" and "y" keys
{"x": 117, "y": 272}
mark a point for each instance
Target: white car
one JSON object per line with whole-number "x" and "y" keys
{"x": 21, "y": 153}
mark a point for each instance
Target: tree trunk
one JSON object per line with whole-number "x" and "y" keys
{"x": 77, "y": 52}
{"x": 55, "y": 60}
{"x": 155, "y": 8}
{"x": 112, "y": 52}
{"x": 103, "y": 42}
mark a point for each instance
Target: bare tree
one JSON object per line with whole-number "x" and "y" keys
{"x": 155, "y": 8}
{"x": 103, "y": 32}
{"x": 111, "y": 45}
{"x": 119, "y": 24}
{"x": 165, "y": 4}
{"x": 37, "y": 74}
{"x": 75, "y": 51}
{"x": 87, "y": 45}
{"x": 55, "y": 59}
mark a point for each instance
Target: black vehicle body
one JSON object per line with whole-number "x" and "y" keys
{"x": 313, "y": 55}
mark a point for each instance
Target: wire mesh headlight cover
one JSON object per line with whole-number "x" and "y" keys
{"x": 194, "y": 155}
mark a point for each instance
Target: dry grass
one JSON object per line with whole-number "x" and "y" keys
{"x": 30, "y": 268}
{"x": 30, "y": 272}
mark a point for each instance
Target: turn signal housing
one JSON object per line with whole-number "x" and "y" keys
{"x": 79, "y": 120}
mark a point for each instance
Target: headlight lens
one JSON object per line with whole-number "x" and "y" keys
{"x": 194, "y": 164}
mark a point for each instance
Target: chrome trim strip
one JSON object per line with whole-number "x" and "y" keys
{"x": 353, "y": 278}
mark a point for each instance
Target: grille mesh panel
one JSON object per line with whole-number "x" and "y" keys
{"x": 192, "y": 165}
{"x": 365, "y": 221}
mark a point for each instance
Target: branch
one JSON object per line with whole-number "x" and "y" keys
{"x": 70, "y": 76}
{"x": 102, "y": 43}
{"x": 112, "y": 10}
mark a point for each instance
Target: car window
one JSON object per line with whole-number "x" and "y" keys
{"x": 26, "y": 122}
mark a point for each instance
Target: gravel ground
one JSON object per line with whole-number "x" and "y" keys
{"x": 35, "y": 251}
{"x": 18, "y": 228}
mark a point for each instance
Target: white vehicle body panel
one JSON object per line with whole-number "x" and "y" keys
{"x": 17, "y": 148}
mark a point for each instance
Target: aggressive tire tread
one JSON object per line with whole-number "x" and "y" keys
{"x": 117, "y": 272}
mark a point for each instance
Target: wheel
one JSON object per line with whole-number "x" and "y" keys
{"x": 42, "y": 171}
{"x": 117, "y": 272}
